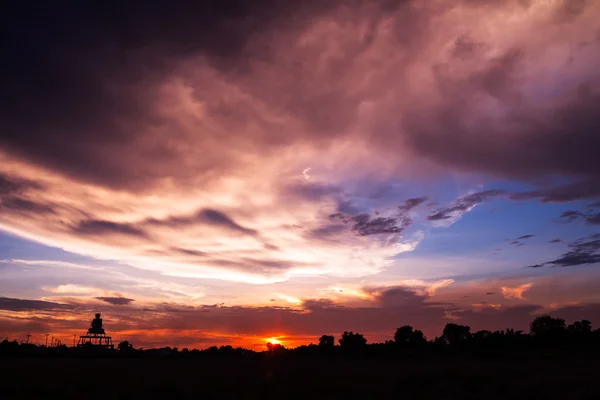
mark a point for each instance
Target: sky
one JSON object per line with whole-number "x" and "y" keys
{"x": 232, "y": 171}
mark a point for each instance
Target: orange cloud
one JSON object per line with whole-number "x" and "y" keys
{"x": 516, "y": 292}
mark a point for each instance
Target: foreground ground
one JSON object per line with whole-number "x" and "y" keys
{"x": 548, "y": 378}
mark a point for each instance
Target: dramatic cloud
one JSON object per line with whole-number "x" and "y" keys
{"x": 254, "y": 122}
{"x": 264, "y": 150}
{"x": 583, "y": 251}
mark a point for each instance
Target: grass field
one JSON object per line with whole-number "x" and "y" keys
{"x": 565, "y": 378}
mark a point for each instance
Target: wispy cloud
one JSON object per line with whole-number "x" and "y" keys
{"x": 449, "y": 215}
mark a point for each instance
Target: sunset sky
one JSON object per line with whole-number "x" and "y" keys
{"x": 232, "y": 171}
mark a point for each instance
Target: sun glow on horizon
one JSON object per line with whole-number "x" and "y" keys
{"x": 273, "y": 340}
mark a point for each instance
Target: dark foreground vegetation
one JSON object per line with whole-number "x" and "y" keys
{"x": 552, "y": 361}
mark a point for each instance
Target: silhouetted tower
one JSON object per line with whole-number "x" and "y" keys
{"x": 28, "y": 336}
{"x": 47, "y": 334}
{"x": 95, "y": 335}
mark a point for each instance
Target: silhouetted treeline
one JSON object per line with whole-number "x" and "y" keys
{"x": 546, "y": 334}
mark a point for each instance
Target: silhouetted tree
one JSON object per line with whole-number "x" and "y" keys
{"x": 125, "y": 346}
{"x": 546, "y": 327}
{"x": 353, "y": 342}
{"x": 456, "y": 334}
{"x": 275, "y": 347}
{"x": 513, "y": 333}
{"x": 405, "y": 336}
{"x": 9, "y": 347}
{"x": 326, "y": 342}
{"x": 582, "y": 327}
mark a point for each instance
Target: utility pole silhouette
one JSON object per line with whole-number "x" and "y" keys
{"x": 47, "y": 339}
{"x": 52, "y": 342}
{"x": 28, "y": 336}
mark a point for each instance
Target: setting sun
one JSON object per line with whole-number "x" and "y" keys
{"x": 273, "y": 340}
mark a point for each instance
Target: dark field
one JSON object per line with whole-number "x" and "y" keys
{"x": 128, "y": 378}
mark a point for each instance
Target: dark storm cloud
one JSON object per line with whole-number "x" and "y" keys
{"x": 584, "y": 251}
{"x": 77, "y": 78}
{"x": 117, "y": 301}
{"x": 568, "y": 126}
{"x": 11, "y": 304}
{"x": 99, "y": 228}
{"x": 463, "y": 204}
{"x": 75, "y": 74}
{"x": 179, "y": 101}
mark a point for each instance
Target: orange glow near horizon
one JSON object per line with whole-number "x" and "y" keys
{"x": 273, "y": 340}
